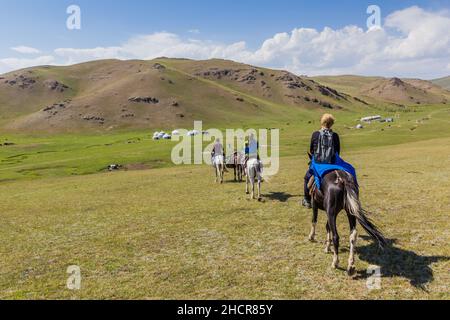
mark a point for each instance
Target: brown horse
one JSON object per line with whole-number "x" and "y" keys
{"x": 237, "y": 163}
{"x": 338, "y": 192}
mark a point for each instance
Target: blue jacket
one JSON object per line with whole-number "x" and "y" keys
{"x": 320, "y": 170}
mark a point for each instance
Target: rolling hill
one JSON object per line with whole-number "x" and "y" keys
{"x": 442, "y": 82}
{"x": 167, "y": 93}
{"x": 162, "y": 93}
{"x": 375, "y": 90}
{"x": 404, "y": 91}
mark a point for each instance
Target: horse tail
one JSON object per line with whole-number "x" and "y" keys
{"x": 353, "y": 206}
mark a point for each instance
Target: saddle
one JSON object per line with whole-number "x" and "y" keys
{"x": 312, "y": 186}
{"x": 314, "y": 191}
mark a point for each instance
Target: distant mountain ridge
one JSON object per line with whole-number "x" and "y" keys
{"x": 443, "y": 82}
{"x": 389, "y": 90}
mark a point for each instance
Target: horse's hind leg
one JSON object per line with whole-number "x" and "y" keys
{"x": 259, "y": 189}
{"x": 312, "y": 235}
{"x": 251, "y": 174}
{"x": 247, "y": 181}
{"x": 332, "y": 223}
{"x": 353, "y": 238}
{"x": 328, "y": 242}
{"x": 252, "y": 181}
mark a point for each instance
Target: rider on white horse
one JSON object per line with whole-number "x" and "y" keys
{"x": 218, "y": 160}
{"x": 253, "y": 167}
{"x": 217, "y": 151}
{"x": 252, "y": 151}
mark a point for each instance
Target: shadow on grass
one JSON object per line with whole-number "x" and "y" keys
{"x": 396, "y": 262}
{"x": 279, "y": 196}
{"x": 235, "y": 181}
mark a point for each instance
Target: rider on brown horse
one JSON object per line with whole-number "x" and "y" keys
{"x": 325, "y": 144}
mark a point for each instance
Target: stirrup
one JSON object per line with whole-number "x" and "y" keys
{"x": 307, "y": 204}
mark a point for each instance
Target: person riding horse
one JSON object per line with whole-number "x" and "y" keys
{"x": 218, "y": 160}
{"x": 334, "y": 188}
{"x": 325, "y": 144}
{"x": 253, "y": 167}
{"x": 217, "y": 150}
{"x": 252, "y": 150}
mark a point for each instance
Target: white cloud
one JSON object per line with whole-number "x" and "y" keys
{"x": 72, "y": 55}
{"x": 26, "y": 50}
{"x": 195, "y": 31}
{"x": 161, "y": 44}
{"x": 10, "y": 64}
{"x": 413, "y": 43}
{"x": 423, "y": 34}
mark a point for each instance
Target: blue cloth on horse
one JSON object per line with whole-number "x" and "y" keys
{"x": 320, "y": 170}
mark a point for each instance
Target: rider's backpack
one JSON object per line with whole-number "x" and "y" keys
{"x": 325, "y": 152}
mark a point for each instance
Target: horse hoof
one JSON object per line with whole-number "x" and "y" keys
{"x": 327, "y": 250}
{"x": 312, "y": 238}
{"x": 351, "y": 271}
{"x": 335, "y": 264}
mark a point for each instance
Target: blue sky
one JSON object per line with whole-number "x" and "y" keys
{"x": 41, "y": 24}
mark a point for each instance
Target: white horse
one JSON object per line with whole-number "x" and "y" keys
{"x": 219, "y": 167}
{"x": 253, "y": 174}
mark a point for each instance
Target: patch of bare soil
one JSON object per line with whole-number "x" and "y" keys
{"x": 137, "y": 166}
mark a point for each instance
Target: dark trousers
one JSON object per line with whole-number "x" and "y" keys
{"x": 308, "y": 176}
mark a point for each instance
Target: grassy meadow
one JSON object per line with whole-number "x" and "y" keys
{"x": 60, "y": 207}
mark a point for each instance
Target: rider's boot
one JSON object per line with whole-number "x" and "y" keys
{"x": 307, "y": 203}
